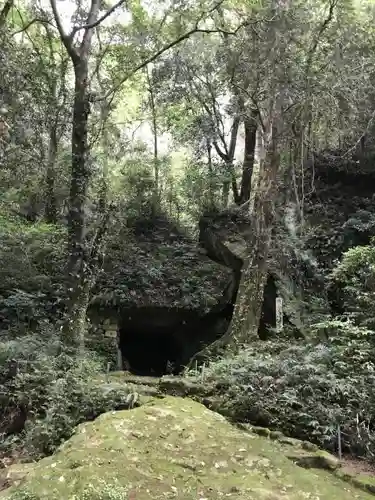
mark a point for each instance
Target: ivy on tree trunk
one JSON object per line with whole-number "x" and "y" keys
{"x": 245, "y": 322}
{"x": 248, "y": 308}
{"x": 251, "y": 126}
{"x": 51, "y": 205}
{"x": 79, "y": 266}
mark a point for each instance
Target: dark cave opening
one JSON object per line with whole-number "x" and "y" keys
{"x": 151, "y": 339}
{"x": 149, "y": 353}
{"x": 158, "y": 341}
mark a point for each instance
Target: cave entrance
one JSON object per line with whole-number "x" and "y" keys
{"x": 157, "y": 341}
{"x": 148, "y": 353}
{"x": 151, "y": 340}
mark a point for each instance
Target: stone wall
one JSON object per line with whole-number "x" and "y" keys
{"x": 103, "y": 339}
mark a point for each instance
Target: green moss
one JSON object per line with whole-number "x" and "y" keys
{"x": 289, "y": 441}
{"x": 174, "y": 448}
{"x": 306, "y": 445}
{"x": 276, "y": 435}
{"x": 362, "y": 481}
{"x": 261, "y": 431}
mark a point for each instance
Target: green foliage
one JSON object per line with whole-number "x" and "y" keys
{"x": 359, "y": 228}
{"x": 31, "y": 274}
{"x": 354, "y": 281}
{"x": 101, "y": 491}
{"x": 136, "y": 266}
{"x": 102, "y": 346}
{"x": 162, "y": 268}
{"x": 49, "y": 393}
{"x": 104, "y": 491}
{"x": 306, "y": 391}
{"x": 137, "y": 188}
{"x": 24, "y": 495}
{"x": 199, "y": 190}
{"x": 298, "y": 55}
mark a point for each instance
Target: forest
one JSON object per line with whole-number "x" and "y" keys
{"x": 187, "y": 190}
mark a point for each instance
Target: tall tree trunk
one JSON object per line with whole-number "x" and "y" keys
{"x": 156, "y": 196}
{"x": 50, "y": 214}
{"x": 245, "y": 322}
{"x": 250, "y": 125}
{"x": 77, "y": 267}
{"x": 227, "y": 184}
{"x": 81, "y": 263}
{"x": 211, "y": 193}
{"x": 55, "y": 78}
{"x": 227, "y": 155}
{"x": 105, "y": 144}
{"x": 225, "y": 194}
{"x": 246, "y": 317}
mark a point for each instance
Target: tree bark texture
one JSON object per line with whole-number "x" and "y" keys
{"x": 80, "y": 178}
{"x": 5, "y": 11}
{"x": 245, "y": 322}
{"x": 247, "y": 312}
{"x": 51, "y": 203}
{"x": 211, "y": 185}
{"x": 250, "y": 125}
{"x": 156, "y": 194}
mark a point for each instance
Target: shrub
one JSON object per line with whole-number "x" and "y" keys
{"x": 104, "y": 491}
{"x": 359, "y": 228}
{"x": 32, "y": 271}
{"x": 306, "y": 390}
{"x": 101, "y": 491}
{"x": 45, "y": 391}
{"x": 354, "y": 278}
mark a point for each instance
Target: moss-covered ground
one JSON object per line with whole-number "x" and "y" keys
{"x": 174, "y": 448}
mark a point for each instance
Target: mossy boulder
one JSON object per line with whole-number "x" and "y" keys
{"x": 317, "y": 460}
{"x": 173, "y": 448}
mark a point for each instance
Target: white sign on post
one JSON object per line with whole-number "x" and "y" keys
{"x": 111, "y": 333}
{"x": 279, "y": 315}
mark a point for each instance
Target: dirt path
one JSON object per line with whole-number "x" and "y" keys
{"x": 357, "y": 466}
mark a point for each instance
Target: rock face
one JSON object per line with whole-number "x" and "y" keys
{"x": 339, "y": 213}
{"x": 173, "y": 448}
{"x": 226, "y": 236}
{"x": 163, "y": 294}
{"x": 341, "y": 205}
{"x": 157, "y": 266}
{"x": 223, "y": 237}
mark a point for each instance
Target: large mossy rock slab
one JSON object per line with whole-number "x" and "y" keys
{"x": 174, "y": 448}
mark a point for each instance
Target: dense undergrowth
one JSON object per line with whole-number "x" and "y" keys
{"x": 353, "y": 280}
{"x": 45, "y": 391}
{"x": 311, "y": 388}
{"x": 144, "y": 259}
{"x": 307, "y": 390}
{"x": 31, "y": 274}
